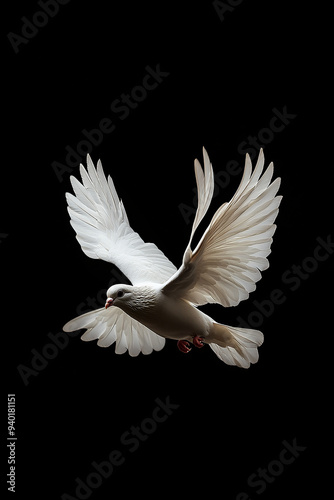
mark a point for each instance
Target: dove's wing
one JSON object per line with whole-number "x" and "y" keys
{"x": 103, "y": 230}
{"x": 113, "y": 325}
{"x": 227, "y": 261}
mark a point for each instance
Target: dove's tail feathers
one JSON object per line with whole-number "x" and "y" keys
{"x": 236, "y": 346}
{"x": 113, "y": 325}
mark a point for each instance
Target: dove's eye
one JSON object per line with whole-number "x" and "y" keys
{"x": 120, "y": 293}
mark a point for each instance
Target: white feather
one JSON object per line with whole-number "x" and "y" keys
{"x": 113, "y": 325}
{"x": 103, "y": 230}
{"x": 235, "y": 246}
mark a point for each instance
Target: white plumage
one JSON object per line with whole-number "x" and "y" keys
{"x": 162, "y": 301}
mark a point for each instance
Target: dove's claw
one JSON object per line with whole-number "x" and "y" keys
{"x": 183, "y": 345}
{"x": 197, "y": 341}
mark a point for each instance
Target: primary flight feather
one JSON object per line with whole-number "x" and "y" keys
{"x": 163, "y": 301}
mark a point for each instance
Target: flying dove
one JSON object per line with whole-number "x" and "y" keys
{"x": 162, "y": 301}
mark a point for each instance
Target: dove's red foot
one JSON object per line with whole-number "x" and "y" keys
{"x": 183, "y": 345}
{"x": 197, "y": 341}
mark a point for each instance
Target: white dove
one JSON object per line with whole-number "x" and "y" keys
{"x": 162, "y": 301}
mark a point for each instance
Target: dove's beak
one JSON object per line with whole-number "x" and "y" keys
{"x": 109, "y": 302}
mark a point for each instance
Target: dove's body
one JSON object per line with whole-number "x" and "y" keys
{"x": 178, "y": 319}
{"x": 169, "y": 317}
{"x": 162, "y": 301}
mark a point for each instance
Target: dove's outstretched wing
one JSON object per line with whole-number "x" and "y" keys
{"x": 113, "y": 325}
{"x": 227, "y": 261}
{"x": 103, "y": 230}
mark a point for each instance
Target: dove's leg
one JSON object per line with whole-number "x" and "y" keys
{"x": 197, "y": 341}
{"x": 183, "y": 345}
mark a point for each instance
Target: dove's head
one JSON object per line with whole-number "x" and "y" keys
{"x": 118, "y": 295}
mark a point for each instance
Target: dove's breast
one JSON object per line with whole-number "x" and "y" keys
{"x": 176, "y": 319}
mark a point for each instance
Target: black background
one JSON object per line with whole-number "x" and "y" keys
{"x": 224, "y": 80}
